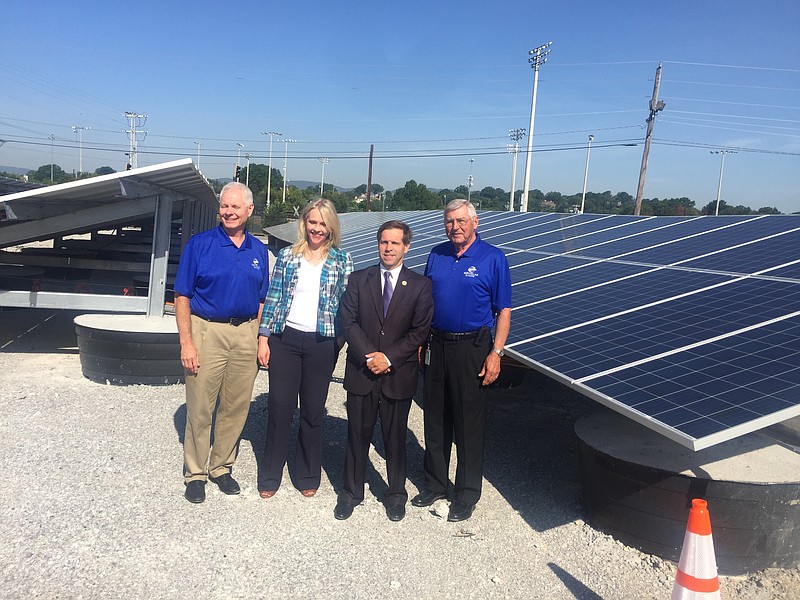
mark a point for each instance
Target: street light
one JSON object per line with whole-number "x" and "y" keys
{"x": 722, "y": 154}
{"x": 516, "y": 135}
{"x": 586, "y": 172}
{"x": 324, "y": 160}
{"x": 51, "y": 137}
{"x": 538, "y": 56}
{"x": 469, "y": 180}
{"x": 269, "y": 173}
{"x": 285, "y": 160}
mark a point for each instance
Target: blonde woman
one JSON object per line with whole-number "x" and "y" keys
{"x": 298, "y": 344}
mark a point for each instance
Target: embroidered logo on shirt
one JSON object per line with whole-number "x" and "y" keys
{"x": 256, "y": 265}
{"x": 471, "y": 272}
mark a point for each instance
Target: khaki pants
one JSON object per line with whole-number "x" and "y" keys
{"x": 228, "y": 368}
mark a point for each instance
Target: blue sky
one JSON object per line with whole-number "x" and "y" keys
{"x": 430, "y": 84}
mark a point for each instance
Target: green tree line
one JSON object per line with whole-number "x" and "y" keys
{"x": 417, "y": 196}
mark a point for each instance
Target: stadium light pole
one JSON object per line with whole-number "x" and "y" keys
{"x": 586, "y": 171}
{"x": 722, "y": 154}
{"x": 51, "y": 137}
{"x": 78, "y": 130}
{"x": 269, "y": 173}
{"x": 324, "y": 160}
{"x": 198, "y": 144}
{"x": 285, "y": 160}
{"x": 516, "y": 135}
{"x": 537, "y": 57}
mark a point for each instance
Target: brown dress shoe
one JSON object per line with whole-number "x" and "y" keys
{"x": 266, "y": 494}
{"x": 309, "y": 493}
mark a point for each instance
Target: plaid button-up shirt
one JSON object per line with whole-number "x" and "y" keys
{"x": 333, "y": 281}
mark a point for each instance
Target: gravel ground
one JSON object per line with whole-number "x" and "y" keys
{"x": 92, "y": 502}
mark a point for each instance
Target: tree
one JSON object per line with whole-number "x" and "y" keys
{"x": 414, "y": 196}
{"x": 42, "y": 174}
{"x": 104, "y": 171}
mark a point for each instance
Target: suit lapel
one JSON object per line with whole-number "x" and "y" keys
{"x": 374, "y": 284}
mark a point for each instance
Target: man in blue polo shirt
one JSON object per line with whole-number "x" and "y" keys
{"x": 471, "y": 293}
{"x": 220, "y": 288}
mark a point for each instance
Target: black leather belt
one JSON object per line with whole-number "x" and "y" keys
{"x": 234, "y": 321}
{"x": 450, "y": 336}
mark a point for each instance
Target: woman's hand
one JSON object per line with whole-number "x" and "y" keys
{"x": 263, "y": 351}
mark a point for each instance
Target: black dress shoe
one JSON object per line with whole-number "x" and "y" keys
{"x": 195, "y": 491}
{"x": 396, "y": 512}
{"x": 460, "y": 511}
{"x": 426, "y": 498}
{"x": 343, "y": 510}
{"x": 227, "y": 484}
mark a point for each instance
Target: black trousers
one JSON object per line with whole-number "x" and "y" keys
{"x": 454, "y": 404}
{"x": 362, "y": 413}
{"x": 300, "y": 366}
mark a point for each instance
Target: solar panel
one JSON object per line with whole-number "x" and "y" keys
{"x": 688, "y": 325}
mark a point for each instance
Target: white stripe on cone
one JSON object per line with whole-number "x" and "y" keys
{"x": 697, "y": 557}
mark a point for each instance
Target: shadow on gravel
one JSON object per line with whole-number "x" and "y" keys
{"x": 576, "y": 587}
{"x": 38, "y": 330}
{"x": 334, "y": 447}
{"x": 532, "y": 450}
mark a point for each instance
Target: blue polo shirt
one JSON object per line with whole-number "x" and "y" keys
{"x": 221, "y": 280}
{"x": 468, "y": 291}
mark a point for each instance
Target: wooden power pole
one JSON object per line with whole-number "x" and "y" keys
{"x": 369, "y": 179}
{"x": 656, "y": 105}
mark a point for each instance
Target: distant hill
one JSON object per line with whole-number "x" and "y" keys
{"x": 301, "y": 185}
{"x": 13, "y": 170}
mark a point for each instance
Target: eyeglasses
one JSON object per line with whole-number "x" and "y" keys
{"x": 460, "y": 221}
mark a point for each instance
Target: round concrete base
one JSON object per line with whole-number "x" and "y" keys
{"x": 638, "y": 487}
{"x": 129, "y": 349}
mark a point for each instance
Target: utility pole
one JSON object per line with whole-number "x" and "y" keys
{"x": 248, "y": 156}
{"x": 238, "y": 156}
{"x": 538, "y": 56}
{"x": 135, "y": 123}
{"x": 51, "y": 137}
{"x": 469, "y": 181}
{"x": 656, "y": 105}
{"x": 516, "y": 135}
{"x": 368, "y": 201}
{"x": 285, "y": 161}
{"x": 198, "y": 144}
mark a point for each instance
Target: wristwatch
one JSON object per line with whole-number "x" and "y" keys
{"x": 499, "y": 351}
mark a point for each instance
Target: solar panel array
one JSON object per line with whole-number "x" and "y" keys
{"x": 688, "y": 325}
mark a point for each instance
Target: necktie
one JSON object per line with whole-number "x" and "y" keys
{"x": 388, "y": 290}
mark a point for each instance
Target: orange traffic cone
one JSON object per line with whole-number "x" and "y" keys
{"x": 696, "y": 578}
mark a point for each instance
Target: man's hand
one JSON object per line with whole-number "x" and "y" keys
{"x": 377, "y": 363}
{"x": 491, "y": 369}
{"x": 263, "y": 351}
{"x": 189, "y": 357}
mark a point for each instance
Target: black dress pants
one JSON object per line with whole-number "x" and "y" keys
{"x": 300, "y": 366}
{"x": 362, "y": 413}
{"x": 454, "y": 404}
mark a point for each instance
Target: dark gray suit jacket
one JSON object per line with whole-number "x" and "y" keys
{"x": 398, "y": 335}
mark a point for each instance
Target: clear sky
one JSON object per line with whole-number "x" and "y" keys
{"x": 431, "y": 84}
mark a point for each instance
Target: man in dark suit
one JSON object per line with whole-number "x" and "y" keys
{"x": 386, "y": 315}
